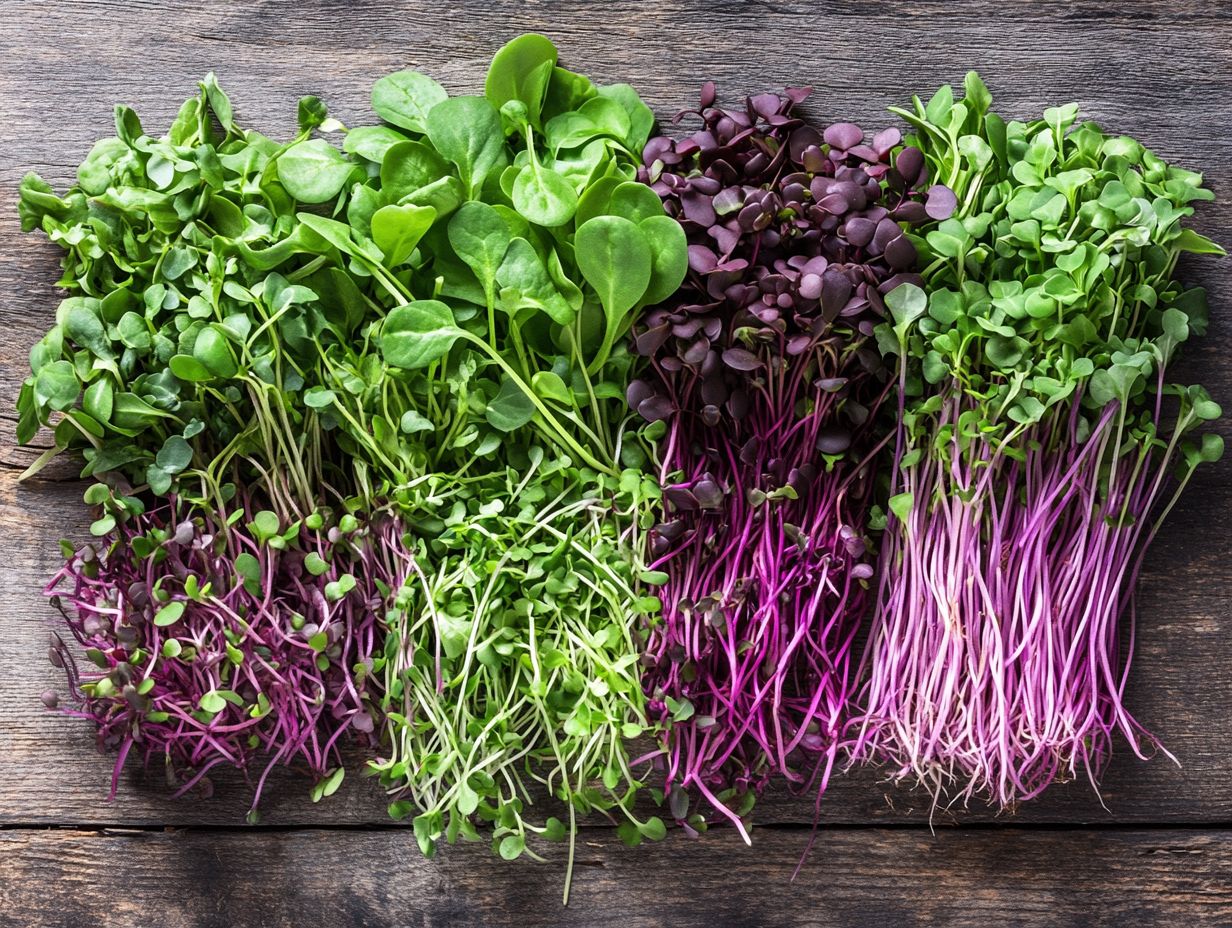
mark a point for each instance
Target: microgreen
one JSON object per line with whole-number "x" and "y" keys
{"x": 218, "y": 671}
{"x": 1039, "y": 446}
{"x": 767, "y": 380}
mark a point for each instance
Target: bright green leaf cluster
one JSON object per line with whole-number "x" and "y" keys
{"x": 428, "y": 319}
{"x": 1053, "y": 280}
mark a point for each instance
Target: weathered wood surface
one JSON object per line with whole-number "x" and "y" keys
{"x": 874, "y": 877}
{"x": 1161, "y": 71}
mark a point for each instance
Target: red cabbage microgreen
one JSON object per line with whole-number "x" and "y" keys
{"x": 219, "y": 643}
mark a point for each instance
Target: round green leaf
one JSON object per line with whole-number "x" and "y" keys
{"x": 313, "y": 171}
{"x": 212, "y": 702}
{"x": 543, "y": 196}
{"x": 315, "y": 564}
{"x": 407, "y": 167}
{"x": 169, "y": 615}
{"x": 188, "y": 368}
{"x": 56, "y": 385}
{"x": 98, "y": 399}
{"x": 634, "y": 201}
{"x": 319, "y": 398}
{"x": 512, "y": 846}
{"x": 480, "y": 237}
{"x": 551, "y": 387}
{"x": 405, "y": 98}
{"x": 371, "y": 142}
{"x": 511, "y": 408}
{"x": 417, "y": 334}
{"x": 398, "y": 229}
{"x": 669, "y": 253}
{"x": 214, "y": 352}
{"x": 615, "y": 258}
{"x": 174, "y": 455}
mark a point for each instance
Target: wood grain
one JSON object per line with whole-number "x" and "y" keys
{"x": 877, "y": 877}
{"x": 1161, "y": 71}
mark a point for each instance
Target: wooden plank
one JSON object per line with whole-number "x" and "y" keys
{"x": 66, "y": 63}
{"x": 1009, "y": 877}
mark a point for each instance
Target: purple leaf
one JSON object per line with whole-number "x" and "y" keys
{"x": 941, "y": 202}
{"x": 741, "y": 360}
{"x": 843, "y": 135}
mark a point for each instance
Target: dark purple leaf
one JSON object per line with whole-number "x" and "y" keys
{"x": 833, "y": 440}
{"x": 909, "y": 163}
{"x": 843, "y": 135}
{"x": 741, "y": 360}
{"x": 900, "y": 254}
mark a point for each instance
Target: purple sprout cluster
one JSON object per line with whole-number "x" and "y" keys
{"x": 764, "y": 370}
{"x": 265, "y": 665}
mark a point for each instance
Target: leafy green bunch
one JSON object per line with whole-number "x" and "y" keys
{"x": 487, "y": 409}
{"x": 1054, "y": 278}
{"x": 181, "y": 350}
{"x": 425, "y": 328}
{"x": 1039, "y": 449}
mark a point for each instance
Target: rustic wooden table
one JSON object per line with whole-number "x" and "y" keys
{"x": 1157, "y": 850}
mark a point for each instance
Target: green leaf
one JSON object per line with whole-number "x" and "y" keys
{"x": 526, "y": 282}
{"x": 596, "y": 199}
{"x": 615, "y": 259}
{"x": 906, "y": 303}
{"x": 550, "y": 386}
{"x": 467, "y": 131}
{"x": 98, "y": 400}
{"x": 543, "y": 196}
{"x": 669, "y": 252}
{"x": 249, "y": 569}
{"x": 212, "y": 702}
{"x": 310, "y": 113}
{"x": 158, "y": 479}
{"x": 372, "y": 142}
{"x": 313, "y": 171}
{"x": 169, "y": 614}
{"x": 641, "y": 119}
{"x": 189, "y": 369}
{"x": 82, "y": 326}
{"x": 213, "y": 350}
{"x": 1191, "y": 241}
{"x": 510, "y": 409}
{"x": 480, "y": 237}
{"x": 520, "y": 71}
{"x": 339, "y": 588}
{"x": 319, "y": 398}
{"x": 265, "y": 524}
{"x": 653, "y": 829}
{"x": 315, "y": 564}
{"x": 412, "y": 422}
{"x": 405, "y": 98}
{"x": 408, "y": 167}
{"x": 901, "y": 505}
{"x": 415, "y": 335}
{"x": 56, "y": 386}
{"x": 332, "y": 781}
{"x": 174, "y": 455}
{"x": 512, "y": 846}
{"x": 634, "y": 201}
{"x": 398, "y": 229}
